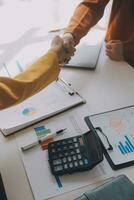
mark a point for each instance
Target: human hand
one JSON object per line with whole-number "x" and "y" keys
{"x": 114, "y": 50}
{"x": 58, "y": 47}
{"x": 68, "y": 43}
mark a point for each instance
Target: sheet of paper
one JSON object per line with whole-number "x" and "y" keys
{"x": 119, "y": 127}
{"x": 53, "y": 99}
{"x": 42, "y": 182}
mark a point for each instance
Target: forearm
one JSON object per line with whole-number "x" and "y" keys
{"x": 86, "y": 15}
{"x": 36, "y": 77}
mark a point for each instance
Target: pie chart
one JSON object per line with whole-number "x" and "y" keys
{"x": 29, "y": 111}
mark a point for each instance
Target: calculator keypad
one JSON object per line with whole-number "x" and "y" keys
{"x": 68, "y": 155}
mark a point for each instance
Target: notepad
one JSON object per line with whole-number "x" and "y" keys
{"x": 56, "y": 98}
{"x": 118, "y": 126}
{"x": 88, "y": 51}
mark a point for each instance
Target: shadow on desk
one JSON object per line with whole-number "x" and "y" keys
{"x": 10, "y": 50}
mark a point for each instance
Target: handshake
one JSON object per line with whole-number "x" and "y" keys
{"x": 64, "y": 47}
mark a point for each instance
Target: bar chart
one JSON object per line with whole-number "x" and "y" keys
{"x": 127, "y": 146}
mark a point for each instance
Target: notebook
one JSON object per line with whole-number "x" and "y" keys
{"x": 56, "y": 98}
{"x": 123, "y": 190}
{"x": 88, "y": 51}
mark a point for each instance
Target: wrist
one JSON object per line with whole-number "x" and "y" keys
{"x": 56, "y": 51}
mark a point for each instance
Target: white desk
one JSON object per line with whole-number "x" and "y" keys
{"x": 110, "y": 86}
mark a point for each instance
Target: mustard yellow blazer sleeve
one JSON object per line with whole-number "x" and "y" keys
{"x": 35, "y": 78}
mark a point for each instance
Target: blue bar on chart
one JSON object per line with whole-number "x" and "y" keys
{"x": 127, "y": 147}
{"x": 41, "y": 131}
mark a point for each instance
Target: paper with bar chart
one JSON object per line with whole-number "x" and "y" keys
{"x": 118, "y": 125}
{"x": 36, "y": 164}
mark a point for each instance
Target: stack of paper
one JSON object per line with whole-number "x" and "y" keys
{"x": 55, "y": 98}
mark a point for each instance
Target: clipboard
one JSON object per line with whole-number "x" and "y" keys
{"x": 116, "y": 132}
{"x": 56, "y": 98}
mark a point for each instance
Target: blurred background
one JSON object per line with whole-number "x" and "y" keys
{"x": 24, "y": 27}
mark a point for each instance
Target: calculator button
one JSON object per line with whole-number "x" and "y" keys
{"x": 65, "y": 166}
{"x": 74, "y": 139}
{"x": 81, "y": 141}
{"x": 65, "y": 148}
{"x": 74, "y": 157}
{"x": 76, "y": 164}
{"x": 72, "y": 152}
{"x": 60, "y": 155}
{"x": 70, "y": 141}
{"x": 79, "y": 156}
{"x": 69, "y": 158}
{"x": 70, "y": 165}
{"x": 64, "y": 160}
{"x": 59, "y": 149}
{"x": 57, "y": 162}
{"x": 77, "y": 151}
{"x": 81, "y": 162}
{"x": 66, "y": 153}
{"x": 86, "y": 161}
{"x": 54, "y": 156}
{"x": 71, "y": 147}
{"x": 58, "y": 168}
{"x": 53, "y": 150}
{"x": 76, "y": 145}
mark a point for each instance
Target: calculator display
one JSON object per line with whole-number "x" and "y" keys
{"x": 70, "y": 155}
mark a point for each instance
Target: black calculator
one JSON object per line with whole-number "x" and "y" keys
{"x": 75, "y": 154}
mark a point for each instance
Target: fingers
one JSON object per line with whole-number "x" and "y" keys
{"x": 114, "y": 41}
{"x": 68, "y": 46}
{"x": 114, "y": 50}
{"x": 64, "y": 47}
{"x": 110, "y": 44}
{"x": 56, "y": 39}
{"x": 66, "y": 57}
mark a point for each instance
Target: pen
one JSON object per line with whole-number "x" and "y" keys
{"x": 56, "y": 30}
{"x": 64, "y": 86}
{"x": 35, "y": 143}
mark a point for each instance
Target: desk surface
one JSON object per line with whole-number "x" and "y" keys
{"x": 110, "y": 86}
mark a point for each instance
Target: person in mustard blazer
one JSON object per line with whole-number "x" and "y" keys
{"x": 41, "y": 73}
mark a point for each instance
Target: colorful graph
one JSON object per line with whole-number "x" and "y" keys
{"x": 127, "y": 146}
{"x": 41, "y": 131}
{"x": 29, "y": 111}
